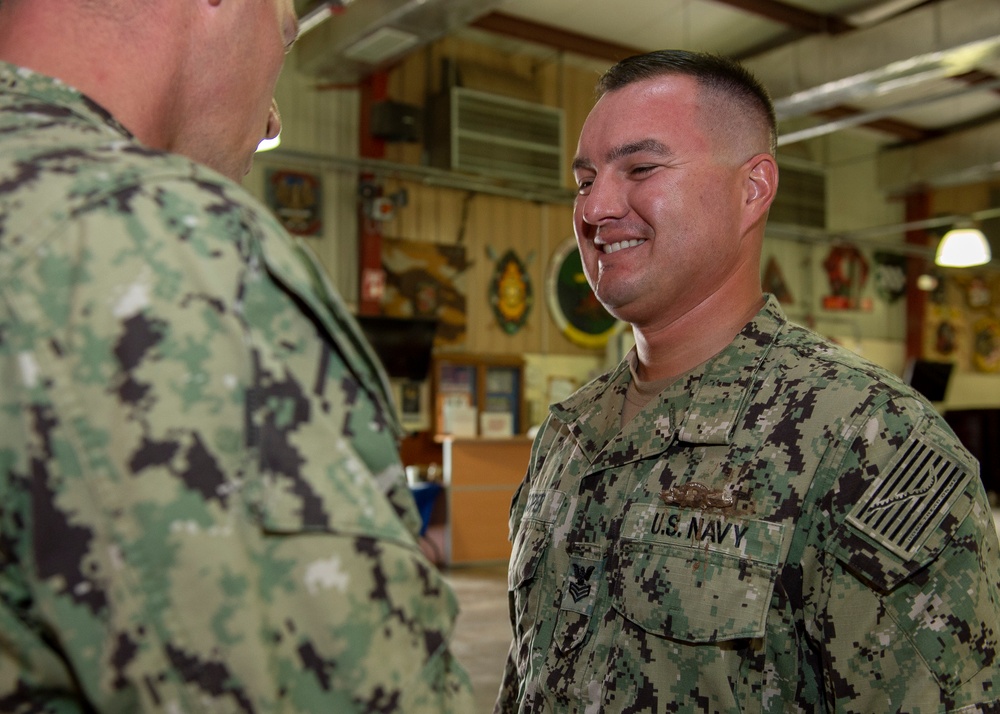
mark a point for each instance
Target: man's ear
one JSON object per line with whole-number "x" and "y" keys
{"x": 761, "y": 183}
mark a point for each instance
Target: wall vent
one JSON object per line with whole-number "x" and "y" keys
{"x": 801, "y": 198}
{"x": 482, "y": 133}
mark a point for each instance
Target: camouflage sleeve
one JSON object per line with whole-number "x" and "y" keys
{"x": 378, "y": 415}
{"x": 188, "y": 517}
{"x": 907, "y": 610}
{"x": 509, "y": 698}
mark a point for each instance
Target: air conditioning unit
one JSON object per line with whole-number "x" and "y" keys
{"x": 482, "y": 133}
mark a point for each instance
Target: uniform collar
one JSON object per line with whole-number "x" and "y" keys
{"x": 703, "y": 406}
{"x": 53, "y": 92}
{"x": 721, "y": 388}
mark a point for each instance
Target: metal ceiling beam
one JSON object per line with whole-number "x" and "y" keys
{"x": 883, "y": 11}
{"x": 794, "y": 17}
{"x": 312, "y": 19}
{"x": 565, "y": 41}
{"x": 554, "y": 37}
{"x": 865, "y": 117}
{"x": 905, "y": 131}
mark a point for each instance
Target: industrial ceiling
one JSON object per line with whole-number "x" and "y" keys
{"x": 921, "y": 77}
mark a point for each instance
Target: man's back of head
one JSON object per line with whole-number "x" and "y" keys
{"x": 195, "y": 78}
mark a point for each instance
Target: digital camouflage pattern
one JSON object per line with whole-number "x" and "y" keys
{"x": 196, "y": 449}
{"x": 786, "y": 528}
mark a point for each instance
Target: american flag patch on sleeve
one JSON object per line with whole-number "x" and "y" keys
{"x": 903, "y": 507}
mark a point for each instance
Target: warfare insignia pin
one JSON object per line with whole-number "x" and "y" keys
{"x": 697, "y": 496}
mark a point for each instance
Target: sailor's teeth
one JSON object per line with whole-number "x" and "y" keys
{"x": 612, "y": 247}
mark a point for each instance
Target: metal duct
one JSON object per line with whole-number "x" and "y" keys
{"x": 367, "y": 35}
{"x": 928, "y": 43}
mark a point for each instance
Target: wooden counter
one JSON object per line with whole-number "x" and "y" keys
{"x": 481, "y": 476}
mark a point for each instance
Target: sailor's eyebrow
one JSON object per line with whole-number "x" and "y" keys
{"x": 652, "y": 146}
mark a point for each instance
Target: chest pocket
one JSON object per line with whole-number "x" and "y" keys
{"x": 695, "y": 576}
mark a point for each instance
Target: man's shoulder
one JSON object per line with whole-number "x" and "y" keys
{"x": 130, "y": 167}
{"x": 75, "y": 173}
{"x": 88, "y": 163}
{"x": 804, "y": 355}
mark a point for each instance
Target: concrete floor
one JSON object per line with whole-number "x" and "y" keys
{"x": 482, "y": 631}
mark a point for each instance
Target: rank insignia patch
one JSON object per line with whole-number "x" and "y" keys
{"x": 579, "y": 588}
{"x": 903, "y": 508}
{"x": 583, "y": 581}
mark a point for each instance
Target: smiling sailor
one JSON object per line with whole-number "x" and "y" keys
{"x": 742, "y": 516}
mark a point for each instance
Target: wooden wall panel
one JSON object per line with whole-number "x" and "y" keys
{"x": 318, "y": 122}
{"x": 490, "y": 225}
{"x": 323, "y": 121}
{"x": 963, "y": 199}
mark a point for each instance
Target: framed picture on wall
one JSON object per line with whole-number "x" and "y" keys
{"x": 572, "y": 304}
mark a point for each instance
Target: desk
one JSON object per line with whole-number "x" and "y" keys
{"x": 481, "y": 476}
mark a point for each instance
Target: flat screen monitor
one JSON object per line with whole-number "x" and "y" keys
{"x": 929, "y": 378}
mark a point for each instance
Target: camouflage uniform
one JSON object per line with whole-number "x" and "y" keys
{"x": 196, "y": 448}
{"x": 786, "y": 528}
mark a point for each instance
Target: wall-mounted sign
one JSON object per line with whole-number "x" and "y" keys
{"x": 847, "y": 271}
{"x": 890, "y": 276}
{"x": 510, "y": 293}
{"x": 574, "y": 307}
{"x": 986, "y": 344}
{"x": 296, "y": 198}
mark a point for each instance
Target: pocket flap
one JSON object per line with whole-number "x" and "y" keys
{"x": 529, "y": 546}
{"x": 695, "y": 576}
{"x": 344, "y": 499}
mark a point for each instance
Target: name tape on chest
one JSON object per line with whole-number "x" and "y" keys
{"x": 704, "y": 530}
{"x": 543, "y": 505}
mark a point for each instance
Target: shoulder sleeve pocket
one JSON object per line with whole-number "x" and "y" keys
{"x": 908, "y": 514}
{"x": 922, "y": 538}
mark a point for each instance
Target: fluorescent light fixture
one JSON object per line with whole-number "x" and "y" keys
{"x": 963, "y": 247}
{"x": 268, "y": 144}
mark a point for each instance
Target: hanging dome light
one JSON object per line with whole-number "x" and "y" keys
{"x": 963, "y": 247}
